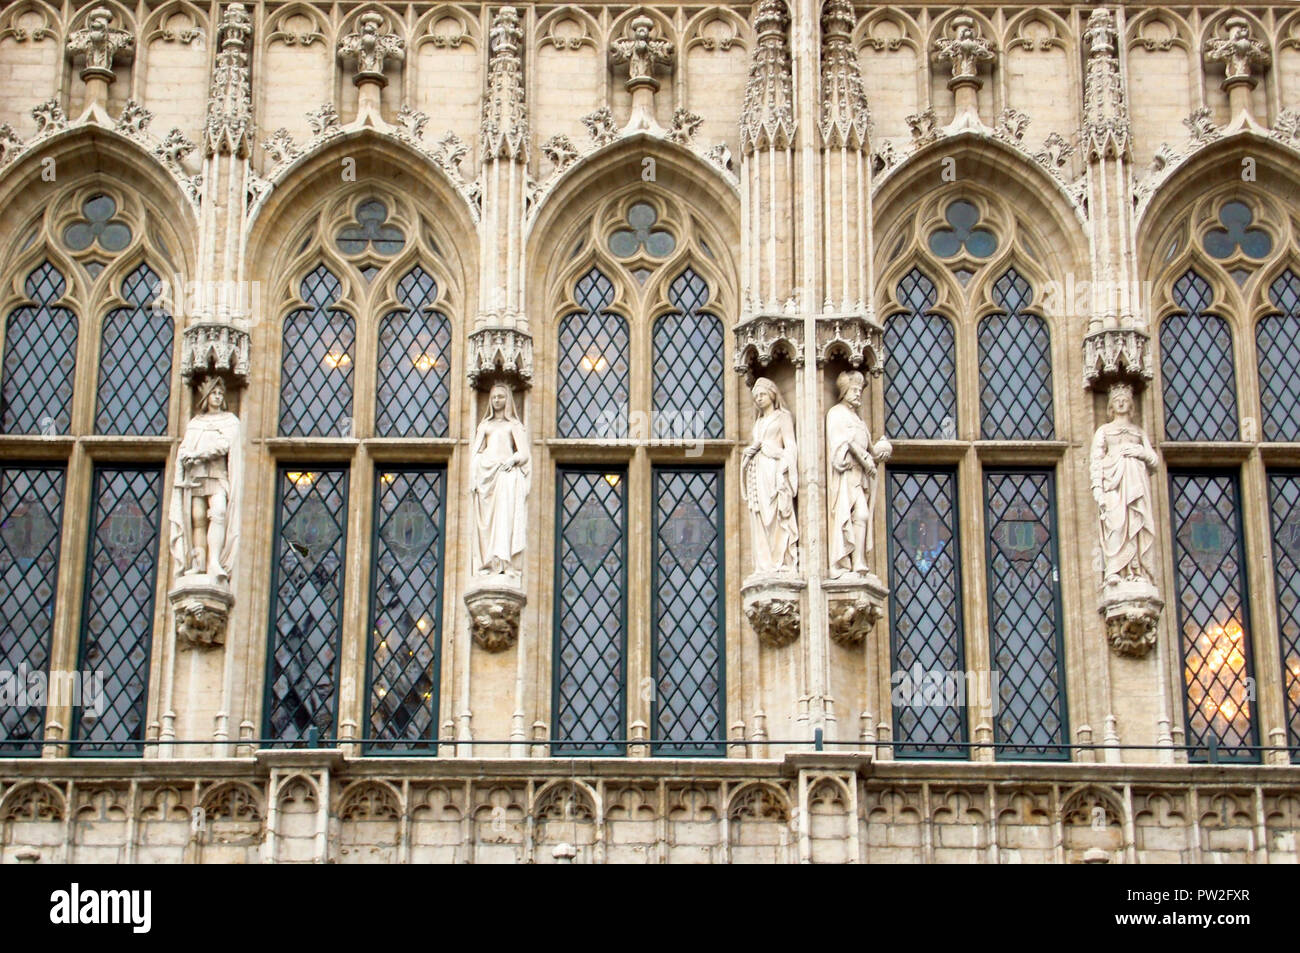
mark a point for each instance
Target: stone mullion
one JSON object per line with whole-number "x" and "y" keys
{"x": 973, "y": 535}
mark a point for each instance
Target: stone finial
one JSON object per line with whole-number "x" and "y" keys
{"x": 767, "y": 116}
{"x": 642, "y": 52}
{"x": 504, "y": 129}
{"x": 1106, "y": 129}
{"x": 965, "y": 50}
{"x": 370, "y": 48}
{"x": 1240, "y": 53}
{"x": 846, "y": 118}
{"x": 229, "y": 126}
{"x": 100, "y": 44}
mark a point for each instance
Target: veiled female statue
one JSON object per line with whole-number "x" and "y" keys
{"x": 500, "y": 471}
{"x": 204, "y": 513}
{"x": 852, "y": 481}
{"x": 1121, "y": 463}
{"x": 770, "y": 482}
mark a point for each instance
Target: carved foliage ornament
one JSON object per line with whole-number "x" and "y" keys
{"x": 99, "y": 44}
{"x": 504, "y": 129}
{"x": 1241, "y": 54}
{"x": 229, "y": 125}
{"x": 846, "y": 118}
{"x": 370, "y": 48}
{"x": 642, "y": 52}
{"x": 965, "y": 50}
{"x": 767, "y": 116}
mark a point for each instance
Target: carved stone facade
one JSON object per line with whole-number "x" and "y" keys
{"x": 497, "y": 371}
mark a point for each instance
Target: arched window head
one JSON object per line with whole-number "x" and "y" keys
{"x": 688, "y": 364}
{"x": 592, "y": 391}
{"x": 39, "y": 358}
{"x": 135, "y": 362}
{"x": 1200, "y": 390}
{"x": 413, "y": 394}
{"x": 1015, "y": 367}
{"x": 920, "y": 366}
{"x": 1277, "y": 346}
{"x": 316, "y": 366}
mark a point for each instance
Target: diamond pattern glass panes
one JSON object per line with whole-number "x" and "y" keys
{"x": 1024, "y": 615}
{"x": 1284, "y": 500}
{"x": 406, "y": 611}
{"x": 316, "y": 367}
{"x": 687, "y": 612}
{"x": 414, "y": 352}
{"x": 592, "y": 389}
{"x": 929, "y": 689}
{"x": 1200, "y": 388}
{"x": 135, "y": 361}
{"x": 1015, "y": 367}
{"x": 920, "y": 369}
{"x": 40, "y": 355}
{"x": 590, "y": 612}
{"x": 117, "y": 618}
{"x": 31, "y": 514}
{"x": 688, "y": 364}
{"x": 1277, "y": 339}
{"x": 306, "y": 603}
{"x": 1209, "y": 572}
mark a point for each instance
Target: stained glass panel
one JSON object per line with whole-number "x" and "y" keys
{"x": 1277, "y": 339}
{"x": 590, "y": 612}
{"x": 316, "y": 364}
{"x": 920, "y": 366}
{"x": 117, "y": 617}
{"x": 414, "y": 359}
{"x": 40, "y": 357}
{"x": 406, "y": 611}
{"x": 135, "y": 362}
{"x": 1015, "y": 367}
{"x": 592, "y": 384}
{"x": 31, "y": 515}
{"x": 1024, "y": 615}
{"x": 688, "y": 364}
{"x": 925, "y": 609}
{"x": 1200, "y": 389}
{"x": 1209, "y": 571}
{"x": 1284, "y": 500}
{"x": 306, "y": 603}
{"x": 688, "y": 629}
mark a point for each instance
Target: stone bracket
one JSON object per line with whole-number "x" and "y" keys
{"x": 854, "y": 604}
{"x": 497, "y": 353}
{"x": 763, "y": 338}
{"x": 201, "y": 606}
{"x": 856, "y": 338}
{"x": 1132, "y": 611}
{"x": 494, "y": 608}
{"x": 1116, "y": 355}
{"x": 771, "y": 602}
{"x": 209, "y": 346}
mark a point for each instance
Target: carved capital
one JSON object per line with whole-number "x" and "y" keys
{"x": 771, "y": 603}
{"x": 497, "y": 353}
{"x": 1116, "y": 355}
{"x": 765, "y": 337}
{"x": 494, "y": 610}
{"x": 852, "y": 337}
{"x": 213, "y": 346}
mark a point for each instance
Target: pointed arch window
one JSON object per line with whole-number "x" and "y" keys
{"x": 592, "y": 390}
{"x": 1200, "y": 390}
{"x": 316, "y": 365}
{"x": 920, "y": 367}
{"x": 1015, "y": 367}
{"x": 135, "y": 363}
{"x": 1277, "y": 341}
{"x": 688, "y": 363}
{"x": 413, "y": 395}
{"x": 40, "y": 358}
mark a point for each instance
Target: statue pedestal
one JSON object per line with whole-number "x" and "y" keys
{"x": 771, "y": 601}
{"x": 494, "y": 604}
{"x": 201, "y": 604}
{"x": 854, "y": 603}
{"x": 1131, "y": 609}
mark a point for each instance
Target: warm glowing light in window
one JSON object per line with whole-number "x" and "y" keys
{"x": 303, "y": 479}
{"x": 337, "y": 359}
{"x": 388, "y": 477}
{"x": 423, "y": 623}
{"x": 424, "y": 362}
{"x": 594, "y": 362}
{"x": 612, "y": 479}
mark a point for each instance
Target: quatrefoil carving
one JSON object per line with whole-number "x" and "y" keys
{"x": 1237, "y": 233}
{"x": 97, "y": 225}
{"x": 370, "y": 231}
{"x": 626, "y": 242}
{"x": 949, "y": 242}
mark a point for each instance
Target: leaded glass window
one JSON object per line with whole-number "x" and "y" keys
{"x": 920, "y": 366}
{"x": 1277, "y": 339}
{"x": 406, "y": 611}
{"x": 316, "y": 365}
{"x": 306, "y": 603}
{"x": 117, "y": 617}
{"x": 1200, "y": 389}
{"x": 1015, "y": 367}
{"x": 414, "y": 351}
{"x": 1210, "y": 576}
{"x": 592, "y": 389}
{"x": 135, "y": 362}
{"x": 687, "y": 614}
{"x": 40, "y": 357}
{"x": 962, "y": 235}
{"x": 688, "y": 364}
{"x": 31, "y": 515}
{"x": 590, "y": 680}
{"x": 926, "y": 606}
{"x": 1024, "y": 614}
{"x": 1284, "y": 500}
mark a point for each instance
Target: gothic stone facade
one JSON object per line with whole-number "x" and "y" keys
{"x": 693, "y": 386}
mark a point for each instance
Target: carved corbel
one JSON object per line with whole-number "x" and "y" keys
{"x": 771, "y": 603}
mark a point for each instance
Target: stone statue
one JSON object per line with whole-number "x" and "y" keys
{"x": 100, "y": 42}
{"x": 206, "y": 492}
{"x": 1120, "y": 468}
{"x": 1240, "y": 53}
{"x": 770, "y": 482}
{"x": 500, "y": 472}
{"x": 852, "y": 478}
{"x": 641, "y": 52}
{"x": 965, "y": 49}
